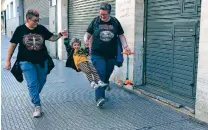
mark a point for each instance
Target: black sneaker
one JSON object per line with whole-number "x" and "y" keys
{"x": 106, "y": 99}
{"x": 101, "y": 102}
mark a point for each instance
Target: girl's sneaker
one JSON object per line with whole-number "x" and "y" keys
{"x": 94, "y": 85}
{"x": 102, "y": 84}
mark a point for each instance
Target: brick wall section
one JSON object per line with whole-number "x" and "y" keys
{"x": 202, "y": 77}
{"x": 138, "y": 43}
{"x": 130, "y": 14}
{"x": 62, "y": 6}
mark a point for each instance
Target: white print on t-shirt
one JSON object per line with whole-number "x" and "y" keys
{"x": 106, "y": 36}
{"x": 33, "y": 41}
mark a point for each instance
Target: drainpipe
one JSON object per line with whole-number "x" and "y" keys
{"x": 21, "y": 12}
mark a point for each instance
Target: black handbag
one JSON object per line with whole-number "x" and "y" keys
{"x": 17, "y": 72}
{"x": 50, "y": 64}
{"x": 119, "y": 56}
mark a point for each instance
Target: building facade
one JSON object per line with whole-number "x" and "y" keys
{"x": 3, "y": 17}
{"x": 12, "y": 16}
{"x": 165, "y": 36}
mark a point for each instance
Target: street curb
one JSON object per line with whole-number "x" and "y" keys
{"x": 184, "y": 109}
{"x": 169, "y": 102}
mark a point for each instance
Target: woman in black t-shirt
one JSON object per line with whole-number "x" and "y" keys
{"x": 32, "y": 56}
{"x": 104, "y": 30}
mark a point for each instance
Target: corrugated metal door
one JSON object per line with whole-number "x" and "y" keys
{"x": 171, "y": 44}
{"x": 81, "y": 13}
{"x": 42, "y": 6}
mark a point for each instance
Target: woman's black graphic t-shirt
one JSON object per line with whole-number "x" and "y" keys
{"x": 105, "y": 37}
{"x": 31, "y": 43}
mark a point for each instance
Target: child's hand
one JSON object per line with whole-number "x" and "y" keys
{"x": 65, "y": 37}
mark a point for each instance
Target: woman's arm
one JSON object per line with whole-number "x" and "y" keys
{"x": 124, "y": 43}
{"x": 11, "y": 49}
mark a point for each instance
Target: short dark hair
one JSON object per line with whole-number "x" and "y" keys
{"x": 31, "y": 12}
{"x": 75, "y": 40}
{"x": 105, "y": 6}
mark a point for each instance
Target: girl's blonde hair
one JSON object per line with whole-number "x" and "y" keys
{"x": 75, "y": 40}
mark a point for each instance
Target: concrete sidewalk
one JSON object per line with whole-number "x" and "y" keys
{"x": 68, "y": 104}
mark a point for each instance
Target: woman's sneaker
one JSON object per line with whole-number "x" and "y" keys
{"x": 108, "y": 88}
{"x": 101, "y": 102}
{"x": 102, "y": 84}
{"x": 94, "y": 85}
{"x": 37, "y": 112}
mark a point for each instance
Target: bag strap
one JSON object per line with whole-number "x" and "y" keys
{"x": 115, "y": 21}
{"x": 95, "y": 22}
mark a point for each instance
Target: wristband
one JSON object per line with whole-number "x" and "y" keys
{"x": 60, "y": 34}
{"x": 66, "y": 41}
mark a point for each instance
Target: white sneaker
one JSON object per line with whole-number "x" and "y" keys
{"x": 101, "y": 102}
{"x": 94, "y": 85}
{"x": 37, "y": 112}
{"x": 102, "y": 84}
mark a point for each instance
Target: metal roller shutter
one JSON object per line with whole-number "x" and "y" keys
{"x": 81, "y": 13}
{"x": 42, "y": 6}
{"x": 171, "y": 45}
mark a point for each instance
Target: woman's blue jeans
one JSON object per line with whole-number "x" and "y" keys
{"x": 104, "y": 68}
{"x": 35, "y": 76}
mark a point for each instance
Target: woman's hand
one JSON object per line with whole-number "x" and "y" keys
{"x": 64, "y": 32}
{"x": 127, "y": 49}
{"x": 8, "y": 65}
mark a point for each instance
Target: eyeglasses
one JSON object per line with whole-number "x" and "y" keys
{"x": 35, "y": 21}
{"x": 104, "y": 15}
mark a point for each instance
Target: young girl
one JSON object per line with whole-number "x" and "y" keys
{"x": 78, "y": 60}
